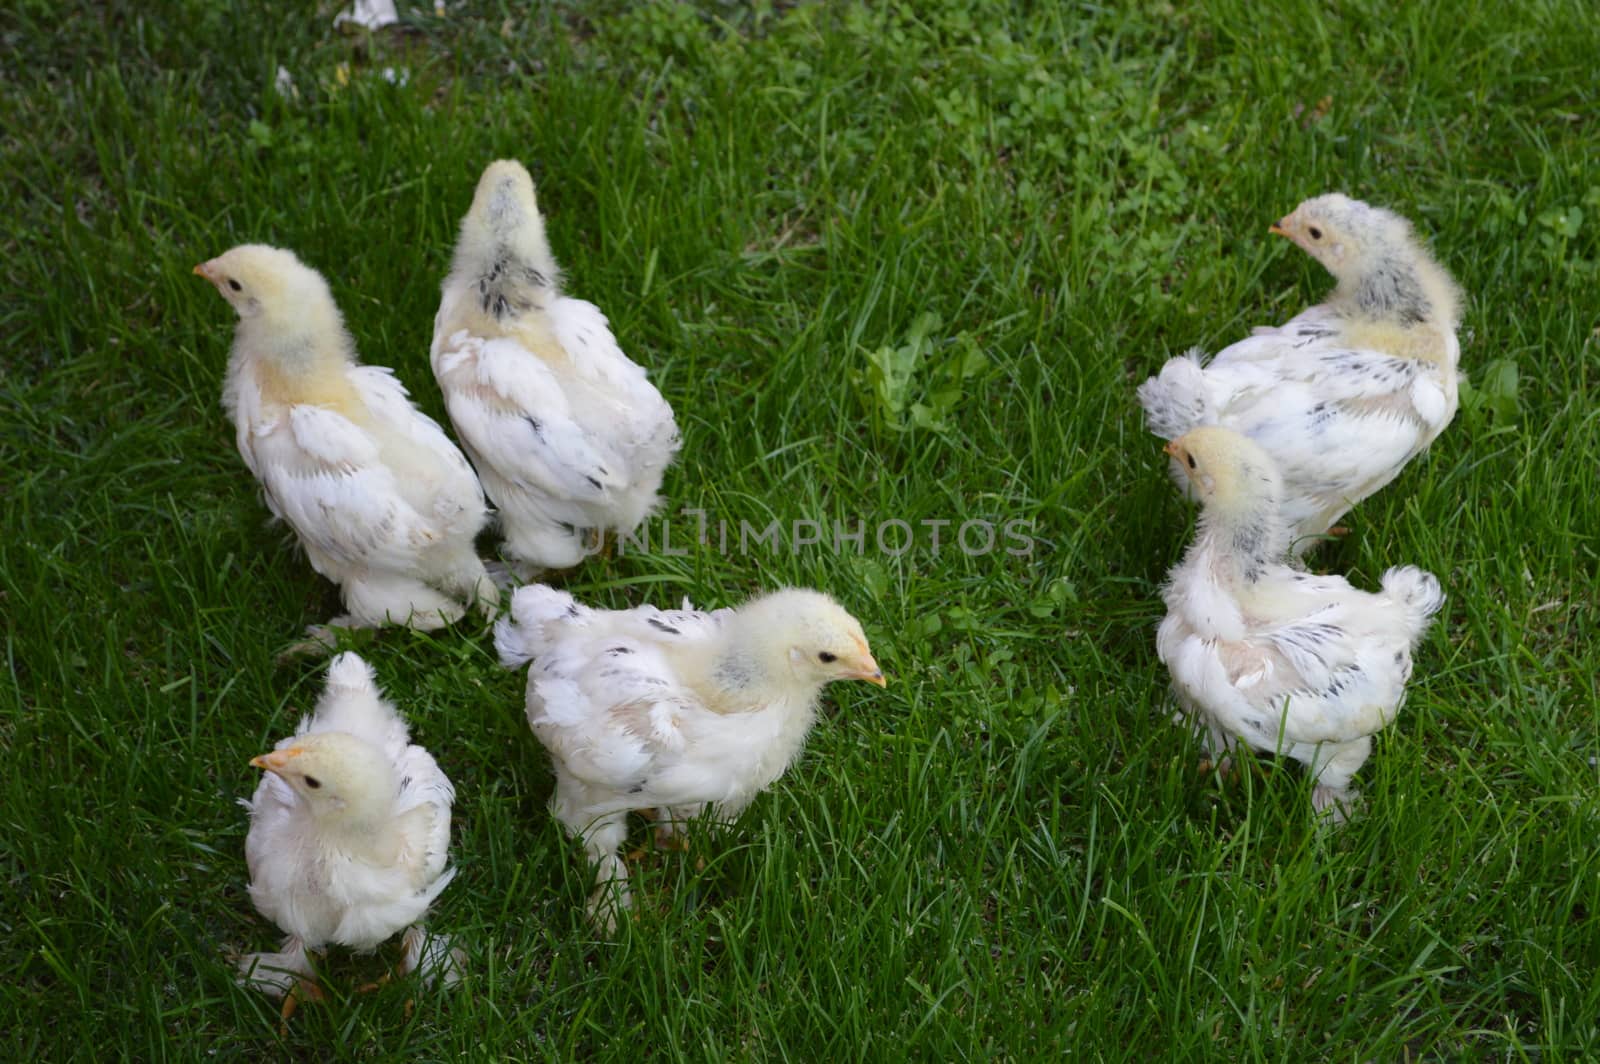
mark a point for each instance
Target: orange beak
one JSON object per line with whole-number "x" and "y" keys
{"x": 206, "y": 270}
{"x": 276, "y": 761}
{"x": 869, "y": 672}
{"x": 1171, "y": 448}
{"x": 1278, "y": 229}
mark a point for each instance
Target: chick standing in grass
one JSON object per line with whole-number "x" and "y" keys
{"x": 671, "y": 710}
{"x": 569, "y": 436}
{"x": 1265, "y": 654}
{"x": 349, "y": 834}
{"x": 383, "y": 503}
{"x": 1347, "y": 392}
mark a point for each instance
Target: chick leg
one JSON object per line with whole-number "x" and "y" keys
{"x": 468, "y": 578}
{"x": 602, "y": 840}
{"x": 320, "y": 638}
{"x": 278, "y": 973}
{"x": 1335, "y": 765}
{"x": 541, "y": 543}
{"x": 377, "y": 599}
{"x": 301, "y": 991}
{"x": 508, "y": 576}
{"x": 287, "y": 974}
{"x": 432, "y": 956}
{"x": 672, "y": 826}
{"x": 1219, "y": 745}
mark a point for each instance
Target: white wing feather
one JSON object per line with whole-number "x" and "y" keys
{"x": 1340, "y": 421}
{"x": 511, "y": 410}
{"x": 323, "y": 475}
{"x": 1327, "y": 664}
{"x": 576, "y": 439}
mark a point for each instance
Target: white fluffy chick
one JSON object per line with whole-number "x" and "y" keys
{"x": 383, "y": 503}
{"x": 1268, "y": 655}
{"x": 349, "y": 835}
{"x": 1344, "y": 394}
{"x": 671, "y": 710}
{"x": 570, "y": 437}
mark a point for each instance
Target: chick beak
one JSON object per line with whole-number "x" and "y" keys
{"x": 868, "y": 670}
{"x": 276, "y": 761}
{"x": 1278, "y": 229}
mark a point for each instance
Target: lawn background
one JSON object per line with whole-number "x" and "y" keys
{"x": 1006, "y": 854}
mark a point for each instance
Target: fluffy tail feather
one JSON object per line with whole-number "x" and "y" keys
{"x": 1175, "y": 400}
{"x": 519, "y": 636}
{"x": 352, "y": 702}
{"x": 1418, "y": 591}
{"x": 349, "y": 673}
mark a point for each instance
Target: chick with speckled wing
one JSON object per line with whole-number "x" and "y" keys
{"x": 569, "y": 436}
{"x": 1346, "y": 393}
{"x": 675, "y": 711}
{"x": 1263, "y": 653}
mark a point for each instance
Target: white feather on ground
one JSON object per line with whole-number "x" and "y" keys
{"x": 1279, "y": 659}
{"x": 1346, "y": 393}
{"x": 569, "y": 435}
{"x": 671, "y": 710}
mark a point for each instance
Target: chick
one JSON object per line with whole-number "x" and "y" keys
{"x": 1346, "y": 393}
{"x": 349, "y": 835}
{"x": 671, "y": 710}
{"x": 569, "y": 436}
{"x": 383, "y": 503}
{"x": 1265, "y": 654}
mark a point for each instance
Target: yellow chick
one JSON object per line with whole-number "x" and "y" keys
{"x": 674, "y": 711}
{"x": 383, "y": 503}
{"x": 349, "y": 838}
{"x": 1265, "y": 654}
{"x": 570, "y": 437}
{"x": 1344, "y": 394}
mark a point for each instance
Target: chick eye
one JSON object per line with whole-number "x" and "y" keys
{"x": 313, "y": 782}
{"x": 827, "y": 658}
{"x": 1190, "y": 459}
{"x": 235, "y": 285}
{"x": 1316, "y": 234}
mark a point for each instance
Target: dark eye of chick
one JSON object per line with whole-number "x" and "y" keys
{"x": 1316, "y": 234}
{"x": 235, "y": 285}
{"x": 313, "y": 782}
{"x": 827, "y": 658}
{"x": 1190, "y": 459}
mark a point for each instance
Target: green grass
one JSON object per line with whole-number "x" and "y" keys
{"x": 1007, "y": 853}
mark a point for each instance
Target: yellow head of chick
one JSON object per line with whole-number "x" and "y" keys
{"x": 1342, "y": 233}
{"x": 503, "y": 232}
{"x": 284, "y": 306}
{"x": 1230, "y": 472}
{"x": 1381, "y": 267}
{"x": 805, "y": 636}
{"x": 260, "y": 280}
{"x": 341, "y": 779}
